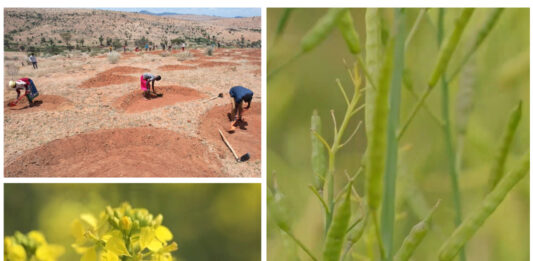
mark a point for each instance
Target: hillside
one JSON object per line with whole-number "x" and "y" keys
{"x": 89, "y": 27}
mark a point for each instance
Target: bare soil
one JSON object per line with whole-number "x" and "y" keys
{"x": 245, "y": 139}
{"x": 136, "y": 102}
{"x": 112, "y": 76}
{"x": 42, "y": 102}
{"x": 133, "y": 152}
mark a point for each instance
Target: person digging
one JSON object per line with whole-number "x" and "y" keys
{"x": 147, "y": 80}
{"x": 238, "y": 95}
{"x": 26, "y": 85}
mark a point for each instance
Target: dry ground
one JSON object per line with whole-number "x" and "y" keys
{"x": 81, "y": 107}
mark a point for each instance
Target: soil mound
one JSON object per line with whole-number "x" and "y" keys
{"x": 133, "y": 152}
{"x": 135, "y": 101}
{"x": 112, "y": 76}
{"x": 42, "y": 102}
{"x": 175, "y": 67}
{"x": 213, "y": 64}
{"x": 247, "y": 136}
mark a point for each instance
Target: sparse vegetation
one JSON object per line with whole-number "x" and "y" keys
{"x": 113, "y": 57}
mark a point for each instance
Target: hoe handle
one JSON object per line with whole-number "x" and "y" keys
{"x": 227, "y": 144}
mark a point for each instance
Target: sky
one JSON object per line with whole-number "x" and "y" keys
{"x": 223, "y": 12}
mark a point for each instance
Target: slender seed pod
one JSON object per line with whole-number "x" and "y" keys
{"x": 319, "y": 160}
{"x": 283, "y": 21}
{"x": 480, "y": 37}
{"x": 278, "y": 209}
{"x": 337, "y": 231}
{"x": 349, "y": 33}
{"x": 321, "y": 29}
{"x": 373, "y": 62}
{"x": 415, "y": 236}
{"x": 496, "y": 172}
{"x": 449, "y": 46}
{"x": 475, "y": 220}
{"x": 377, "y": 141}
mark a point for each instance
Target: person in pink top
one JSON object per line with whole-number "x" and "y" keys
{"x": 147, "y": 80}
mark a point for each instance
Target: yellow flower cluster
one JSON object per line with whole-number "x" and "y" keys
{"x": 123, "y": 233}
{"x": 30, "y": 247}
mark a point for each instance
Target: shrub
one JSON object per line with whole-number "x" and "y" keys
{"x": 182, "y": 56}
{"x": 209, "y": 51}
{"x": 113, "y": 57}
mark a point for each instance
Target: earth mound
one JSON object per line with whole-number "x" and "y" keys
{"x": 132, "y": 152}
{"x": 136, "y": 102}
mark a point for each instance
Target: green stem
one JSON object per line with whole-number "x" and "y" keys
{"x": 388, "y": 211}
{"x": 300, "y": 244}
{"x": 452, "y": 167}
{"x": 282, "y": 66}
{"x": 415, "y": 27}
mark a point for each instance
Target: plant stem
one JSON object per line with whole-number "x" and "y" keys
{"x": 452, "y": 167}
{"x": 388, "y": 210}
{"x": 301, "y": 245}
{"x": 282, "y": 66}
{"x": 415, "y": 27}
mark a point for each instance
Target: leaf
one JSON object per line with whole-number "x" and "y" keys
{"x": 163, "y": 233}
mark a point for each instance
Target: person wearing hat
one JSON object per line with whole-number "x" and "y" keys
{"x": 26, "y": 85}
{"x": 239, "y": 95}
{"x": 147, "y": 80}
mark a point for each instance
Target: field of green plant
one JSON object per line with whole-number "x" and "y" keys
{"x": 398, "y": 134}
{"x": 158, "y": 222}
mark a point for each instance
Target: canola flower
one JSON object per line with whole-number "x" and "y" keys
{"x": 30, "y": 247}
{"x": 123, "y": 233}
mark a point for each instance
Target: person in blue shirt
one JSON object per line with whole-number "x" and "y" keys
{"x": 239, "y": 95}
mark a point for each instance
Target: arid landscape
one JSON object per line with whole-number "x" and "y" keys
{"x": 91, "y": 119}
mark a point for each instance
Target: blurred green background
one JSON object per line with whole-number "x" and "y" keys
{"x": 499, "y": 72}
{"x": 209, "y": 221}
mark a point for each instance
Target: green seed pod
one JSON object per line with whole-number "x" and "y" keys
{"x": 319, "y": 161}
{"x": 496, "y": 172}
{"x": 487, "y": 27}
{"x": 464, "y": 99}
{"x": 283, "y": 21}
{"x": 475, "y": 220}
{"x": 415, "y": 236}
{"x": 349, "y": 33}
{"x": 377, "y": 141}
{"x": 373, "y": 62}
{"x": 322, "y": 28}
{"x": 337, "y": 231}
{"x": 449, "y": 46}
{"x": 277, "y": 209}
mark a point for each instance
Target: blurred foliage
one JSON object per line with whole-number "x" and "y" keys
{"x": 208, "y": 221}
{"x": 499, "y": 72}
{"x": 30, "y": 247}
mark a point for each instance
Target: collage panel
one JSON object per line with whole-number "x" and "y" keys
{"x": 398, "y": 133}
{"x": 158, "y": 222}
{"x": 132, "y": 92}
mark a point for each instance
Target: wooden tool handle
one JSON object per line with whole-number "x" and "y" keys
{"x": 227, "y": 144}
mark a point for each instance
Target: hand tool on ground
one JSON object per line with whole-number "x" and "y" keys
{"x": 220, "y": 95}
{"x": 14, "y": 103}
{"x": 243, "y": 158}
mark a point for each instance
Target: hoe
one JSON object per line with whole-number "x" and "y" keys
{"x": 243, "y": 158}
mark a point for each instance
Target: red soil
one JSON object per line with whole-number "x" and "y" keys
{"x": 112, "y": 76}
{"x": 244, "y": 139}
{"x": 132, "y": 152}
{"x": 43, "y": 102}
{"x": 135, "y": 101}
{"x": 175, "y": 67}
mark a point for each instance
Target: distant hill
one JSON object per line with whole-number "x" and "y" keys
{"x": 37, "y": 26}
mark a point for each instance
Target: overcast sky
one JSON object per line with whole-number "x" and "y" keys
{"x": 223, "y": 12}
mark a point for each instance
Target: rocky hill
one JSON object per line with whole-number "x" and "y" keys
{"x": 90, "y": 27}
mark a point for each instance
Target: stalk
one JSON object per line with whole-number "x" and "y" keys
{"x": 448, "y": 139}
{"x": 388, "y": 211}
